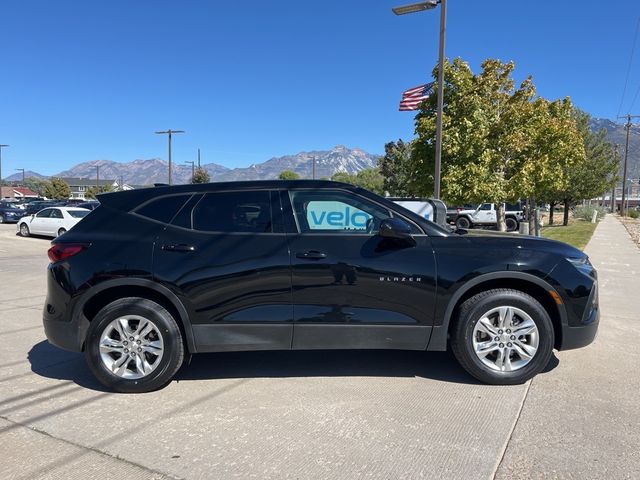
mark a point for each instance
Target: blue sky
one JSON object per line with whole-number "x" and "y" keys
{"x": 87, "y": 80}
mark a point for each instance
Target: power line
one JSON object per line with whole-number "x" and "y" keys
{"x": 635, "y": 97}
{"x": 626, "y": 80}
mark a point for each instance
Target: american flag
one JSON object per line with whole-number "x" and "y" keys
{"x": 412, "y": 98}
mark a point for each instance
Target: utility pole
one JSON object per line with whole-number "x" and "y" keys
{"x": 193, "y": 168}
{"x": 198, "y": 158}
{"x": 21, "y": 170}
{"x": 626, "y": 158}
{"x": 313, "y": 171}
{"x": 2, "y": 145}
{"x": 97, "y": 179}
{"x": 170, "y": 132}
{"x": 613, "y": 189}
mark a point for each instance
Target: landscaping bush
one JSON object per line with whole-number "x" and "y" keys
{"x": 633, "y": 213}
{"x": 585, "y": 212}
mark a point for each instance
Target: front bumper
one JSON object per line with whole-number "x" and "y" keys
{"x": 582, "y": 335}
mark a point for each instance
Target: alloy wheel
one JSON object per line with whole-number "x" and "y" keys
{"x": 505, "y": 339}
{"x": 131, "y": 347}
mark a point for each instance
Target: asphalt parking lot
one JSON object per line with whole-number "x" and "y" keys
{"x": 338, "y": 415}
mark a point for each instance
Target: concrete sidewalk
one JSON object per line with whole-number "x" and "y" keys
{"x": 582, "y": 419}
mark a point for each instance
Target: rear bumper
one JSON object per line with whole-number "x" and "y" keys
{"x": 62, "y": 326}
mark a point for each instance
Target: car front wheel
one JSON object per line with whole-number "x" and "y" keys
{"x": 134, "y": 345}
{"x": 24, "y": 230}
{"x": 503, "y": 337}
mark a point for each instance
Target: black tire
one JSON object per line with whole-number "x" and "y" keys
{"x": 463, "y": 222}
{"x": 173, "y": 348}
{"x": 1, "y": 219}
{"x": 511, "y": 223}
{"x": 24, "y": 230}
{"x": 62, "y": 231}
{"x": 472, "y": 310}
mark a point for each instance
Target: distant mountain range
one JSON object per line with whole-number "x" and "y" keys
{"x": 616, "y": 134}
{"x": 147, "y": 172}
{"x": 328, "y": 162}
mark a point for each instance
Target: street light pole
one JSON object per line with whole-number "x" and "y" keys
{"x": 2, "y": 145}
{"x": 21, "y": 170}
{"x": 170, "y": 132}
{"x": 418, "y": 7}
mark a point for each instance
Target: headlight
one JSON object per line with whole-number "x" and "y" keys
{"x": 582, "y": 264}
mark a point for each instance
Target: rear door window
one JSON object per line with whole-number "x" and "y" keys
{"x": 234, "y": 212}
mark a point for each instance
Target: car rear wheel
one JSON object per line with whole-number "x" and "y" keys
{"x": 463, "y": 222}
{"x": 503, "y": 337}
{"x": 134, "y": 345}
{"x": 511, "y": 224}
{"x": 24, "y": 230}
{"x": 62, "y": 231}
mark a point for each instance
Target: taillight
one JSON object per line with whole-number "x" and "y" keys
{"x": 62, "y": 251}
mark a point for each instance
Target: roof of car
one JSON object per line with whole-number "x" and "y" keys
{"x": 127, "y": 198}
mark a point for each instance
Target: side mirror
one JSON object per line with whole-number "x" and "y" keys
{"x": 395, "y": 228}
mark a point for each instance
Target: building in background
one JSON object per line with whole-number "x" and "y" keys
{"x": 17, "y": 193}
{"x": 80, "y": 186}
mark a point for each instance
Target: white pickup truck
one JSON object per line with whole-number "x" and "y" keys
{"x": 485, "y": 216}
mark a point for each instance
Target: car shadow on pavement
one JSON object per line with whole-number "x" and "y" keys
{"x": 51, "y": 362}
{"x": 326, "y": 363}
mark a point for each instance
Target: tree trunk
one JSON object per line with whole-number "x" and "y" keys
{"x": 552, "y": 206}
{"x": 565, "y": 221}
{"x": 500, "y": 220}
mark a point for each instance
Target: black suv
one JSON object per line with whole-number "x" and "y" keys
{"x": 155, "y": 275}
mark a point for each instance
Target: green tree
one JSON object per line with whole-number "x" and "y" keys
{"x": 38, "y": 185}
{"x": 58, "y": 189}
{"x": 555, "y": 149}
{"x": 369, "y": 178}
{"x": 288, "y": 175}
{"x": 344, "y": 177}
{"x": 598, "y": 172}
{"x": 200, "y": 175}
{"x": 395, "y": 168}
{"x": 93, "y": 192}
{"x": 489, "y": 126}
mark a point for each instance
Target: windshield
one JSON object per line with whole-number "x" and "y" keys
{"x": 78, "y": 213}
{"x": 10, "y": 205}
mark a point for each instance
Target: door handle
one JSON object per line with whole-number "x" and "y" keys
{"x": 311, "y": 255}
{"x": 180, "y": 247}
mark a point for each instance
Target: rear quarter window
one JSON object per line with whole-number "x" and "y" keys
{"x": 163, "y": 209}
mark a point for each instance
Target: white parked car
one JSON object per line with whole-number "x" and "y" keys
{"x": 51, "y": 222}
